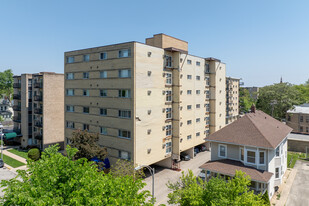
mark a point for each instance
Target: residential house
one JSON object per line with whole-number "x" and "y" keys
{"x": 298, "y": 118}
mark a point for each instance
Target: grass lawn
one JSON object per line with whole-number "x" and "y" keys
{"x": 12, "y": 162}
{"x": 19, "y": 153}
{"x": 293, "y": 157}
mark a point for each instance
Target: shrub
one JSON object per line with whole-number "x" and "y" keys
{"x": 34, "y": 154}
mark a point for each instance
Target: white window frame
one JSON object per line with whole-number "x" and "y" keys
{"x": 168, "y": 61}
{"x": 278, "y": 173}
{"x": 246, "y": 156}
{"x": 169, "y": 114}
{"x": 225, "y": 146}
{"x": 168, "y": 78}
{"x": 264, "y": 157}
{"x": 241, "y": 149}
{"x": 168, "y": 130}
{"x": 168, "y": 96}
{"x": 168, "y": 147}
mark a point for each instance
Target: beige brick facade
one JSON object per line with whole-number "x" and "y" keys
{"x": 232, "y": 99}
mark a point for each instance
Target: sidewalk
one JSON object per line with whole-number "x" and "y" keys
{"x": 14, "y": 156}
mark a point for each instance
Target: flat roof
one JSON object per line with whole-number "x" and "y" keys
{"x": 299, "y": 137}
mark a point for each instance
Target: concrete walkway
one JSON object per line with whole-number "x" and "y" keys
{"x": 16, "y": 157}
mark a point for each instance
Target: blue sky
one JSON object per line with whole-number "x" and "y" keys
{"x": 259, "y": 40}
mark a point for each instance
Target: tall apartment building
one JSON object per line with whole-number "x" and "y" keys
{"x": 148, "y": 102}
{"x": 38, "y": 109}
{"x": 232, "y": 99}
{"x": 298, "y": 118}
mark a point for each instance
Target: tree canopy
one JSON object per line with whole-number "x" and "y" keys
{"x": 276, "y": 99}
{"x": 59, "y": 180}
{"x": 245, "y": 100}
{"x": 192, "y": 191}
{"x": 6, "y": 83}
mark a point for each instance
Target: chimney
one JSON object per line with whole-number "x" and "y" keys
{"x": 253, "y": 108}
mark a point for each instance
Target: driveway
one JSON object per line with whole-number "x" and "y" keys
{"x": 163, "y": 175}
{"x": 299, "y": 194}
{"x": 5, "y": 174}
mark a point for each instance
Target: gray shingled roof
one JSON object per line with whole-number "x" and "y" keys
{"x": 304, "y": 109}
{"x": 254, "y": 129}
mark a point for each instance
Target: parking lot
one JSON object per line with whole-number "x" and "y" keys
{"x": 163, "y": 175}
{"x": 299, "y": 193}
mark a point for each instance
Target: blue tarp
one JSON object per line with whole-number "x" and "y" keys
{"x": 105, "y": 161}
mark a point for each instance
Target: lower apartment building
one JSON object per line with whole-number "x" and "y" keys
{"x": 232, "y": 99}
{"x": 298, "y": 118}
{"x": 38, "y": 109}
{"x": 148, "y": 102}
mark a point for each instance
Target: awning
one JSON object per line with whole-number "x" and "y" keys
{"x": 10, "y": 135}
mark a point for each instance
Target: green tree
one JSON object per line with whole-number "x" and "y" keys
{"x": 303, "y": 90}
{"x": 59, "y": 180}
{"x": 87, "y": 145}
{"x": 6, "y": 83}
{"x": 245, "y": 100}
{"x": 276, "y": 99}
{"x": 192, "y": 191}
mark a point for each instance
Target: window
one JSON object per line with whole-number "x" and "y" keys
{"x": 301, "y": 129}
{"x": 251, "y": 156}
{"x": 198, "y": 134}
{"x": 86, "y": 127}
{"x": 198, "y": 91}
{"x": 168, "y": 61}
{"x": 124, "y": 53}
{"x": 198, "y": 106}
{"x": 278, "y": 151}
{"x": 70, "y": 75}
{"x": 124, "y": 113}
{"x": 70, "y": 60}
{"x": 168, "y": 78}
{"x": 198, "y": 120}
{"x": 277, "y": 172}
{"x": 168, "y": 113}
{"x": 168, "y": 130}
{"x": 198, "y": 78}
{"x": 207, "y": 94}
{"x": 124, "y": 134}
{"x": 103, "y": 93}
{"x": 124, "y": 73}
{"x": 86, "y": 75}
{"x": 242, "y": 154}
{"x": 207, "y": 107}
{"x": 124, "y": 93}
{"x": 103, "y": 55}
{"x": 222, "y": 150}
{"x": 86, "y": 110}
{"x": 189, "y": 122}
{"x": 189, "y": 107}
{"x": 189, "y": 92}
{"x": 103, "y": 111}
{"x": 189, "y": 61}
{"x": 262, "y": 158}
{"x": 124, "y": 155}
{"x": 168, "y": 146}
{"x": 103, "y": 130}
{"x": 85, "y": 92}
{"x": 168, "y": 96}
{"x": 103, "y": 74}
{"x": 198, "y": 63}
{"x": 189, "y": 137}
{"x": 301, "y": 118}
{"x": 189, "y": 76}
{"x": 207, "y": 68}
{"x": 70, "y": 92}
{"x": 307, "y": 119}
{"x": 70, "y": 125}
{"x": 86, "y": 58}
{"x": 70, "y": 108}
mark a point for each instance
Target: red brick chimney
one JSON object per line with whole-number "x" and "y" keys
{"x": 253, "y": 108}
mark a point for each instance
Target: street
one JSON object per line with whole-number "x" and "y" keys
{"x": 5, "y": 174}
{"x": 163, "y": 175}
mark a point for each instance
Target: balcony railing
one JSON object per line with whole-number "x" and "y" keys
{"x": 17, "y": 119}
{"x": 38, "y": 136}
{"x": 38, "y": 85}
{"x": 16, "y": 108}
{"x": 38, "y": 111}
{"x": 16, "y": 96}
{"x": 16, "y": 85}
{"x": 38, "y": 124}
{"x": 38, "y": 98}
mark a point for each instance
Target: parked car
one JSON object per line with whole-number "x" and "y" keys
{"x": 203, "y": 175}
{"x": 202, "y": 148}
{"x": 185, "y": 157}
{"x": 1, "y": 163}
{"x": 196, "y": 150}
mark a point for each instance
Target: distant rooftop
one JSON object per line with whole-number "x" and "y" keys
{"x": 304, "y": 109}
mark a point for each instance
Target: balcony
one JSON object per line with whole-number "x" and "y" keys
{"x": 16, "y": 108}
{"x": 16, "y": 96}
{"x": 17, "y": 119}
{"x": 38, "y": 136}
{"x": 38, "y": 98}
{"x": 38, "y": 123}
{"x": 38, "y": 85}
{"x": 16, "y": 85}
{"x": 38, "y": 111}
